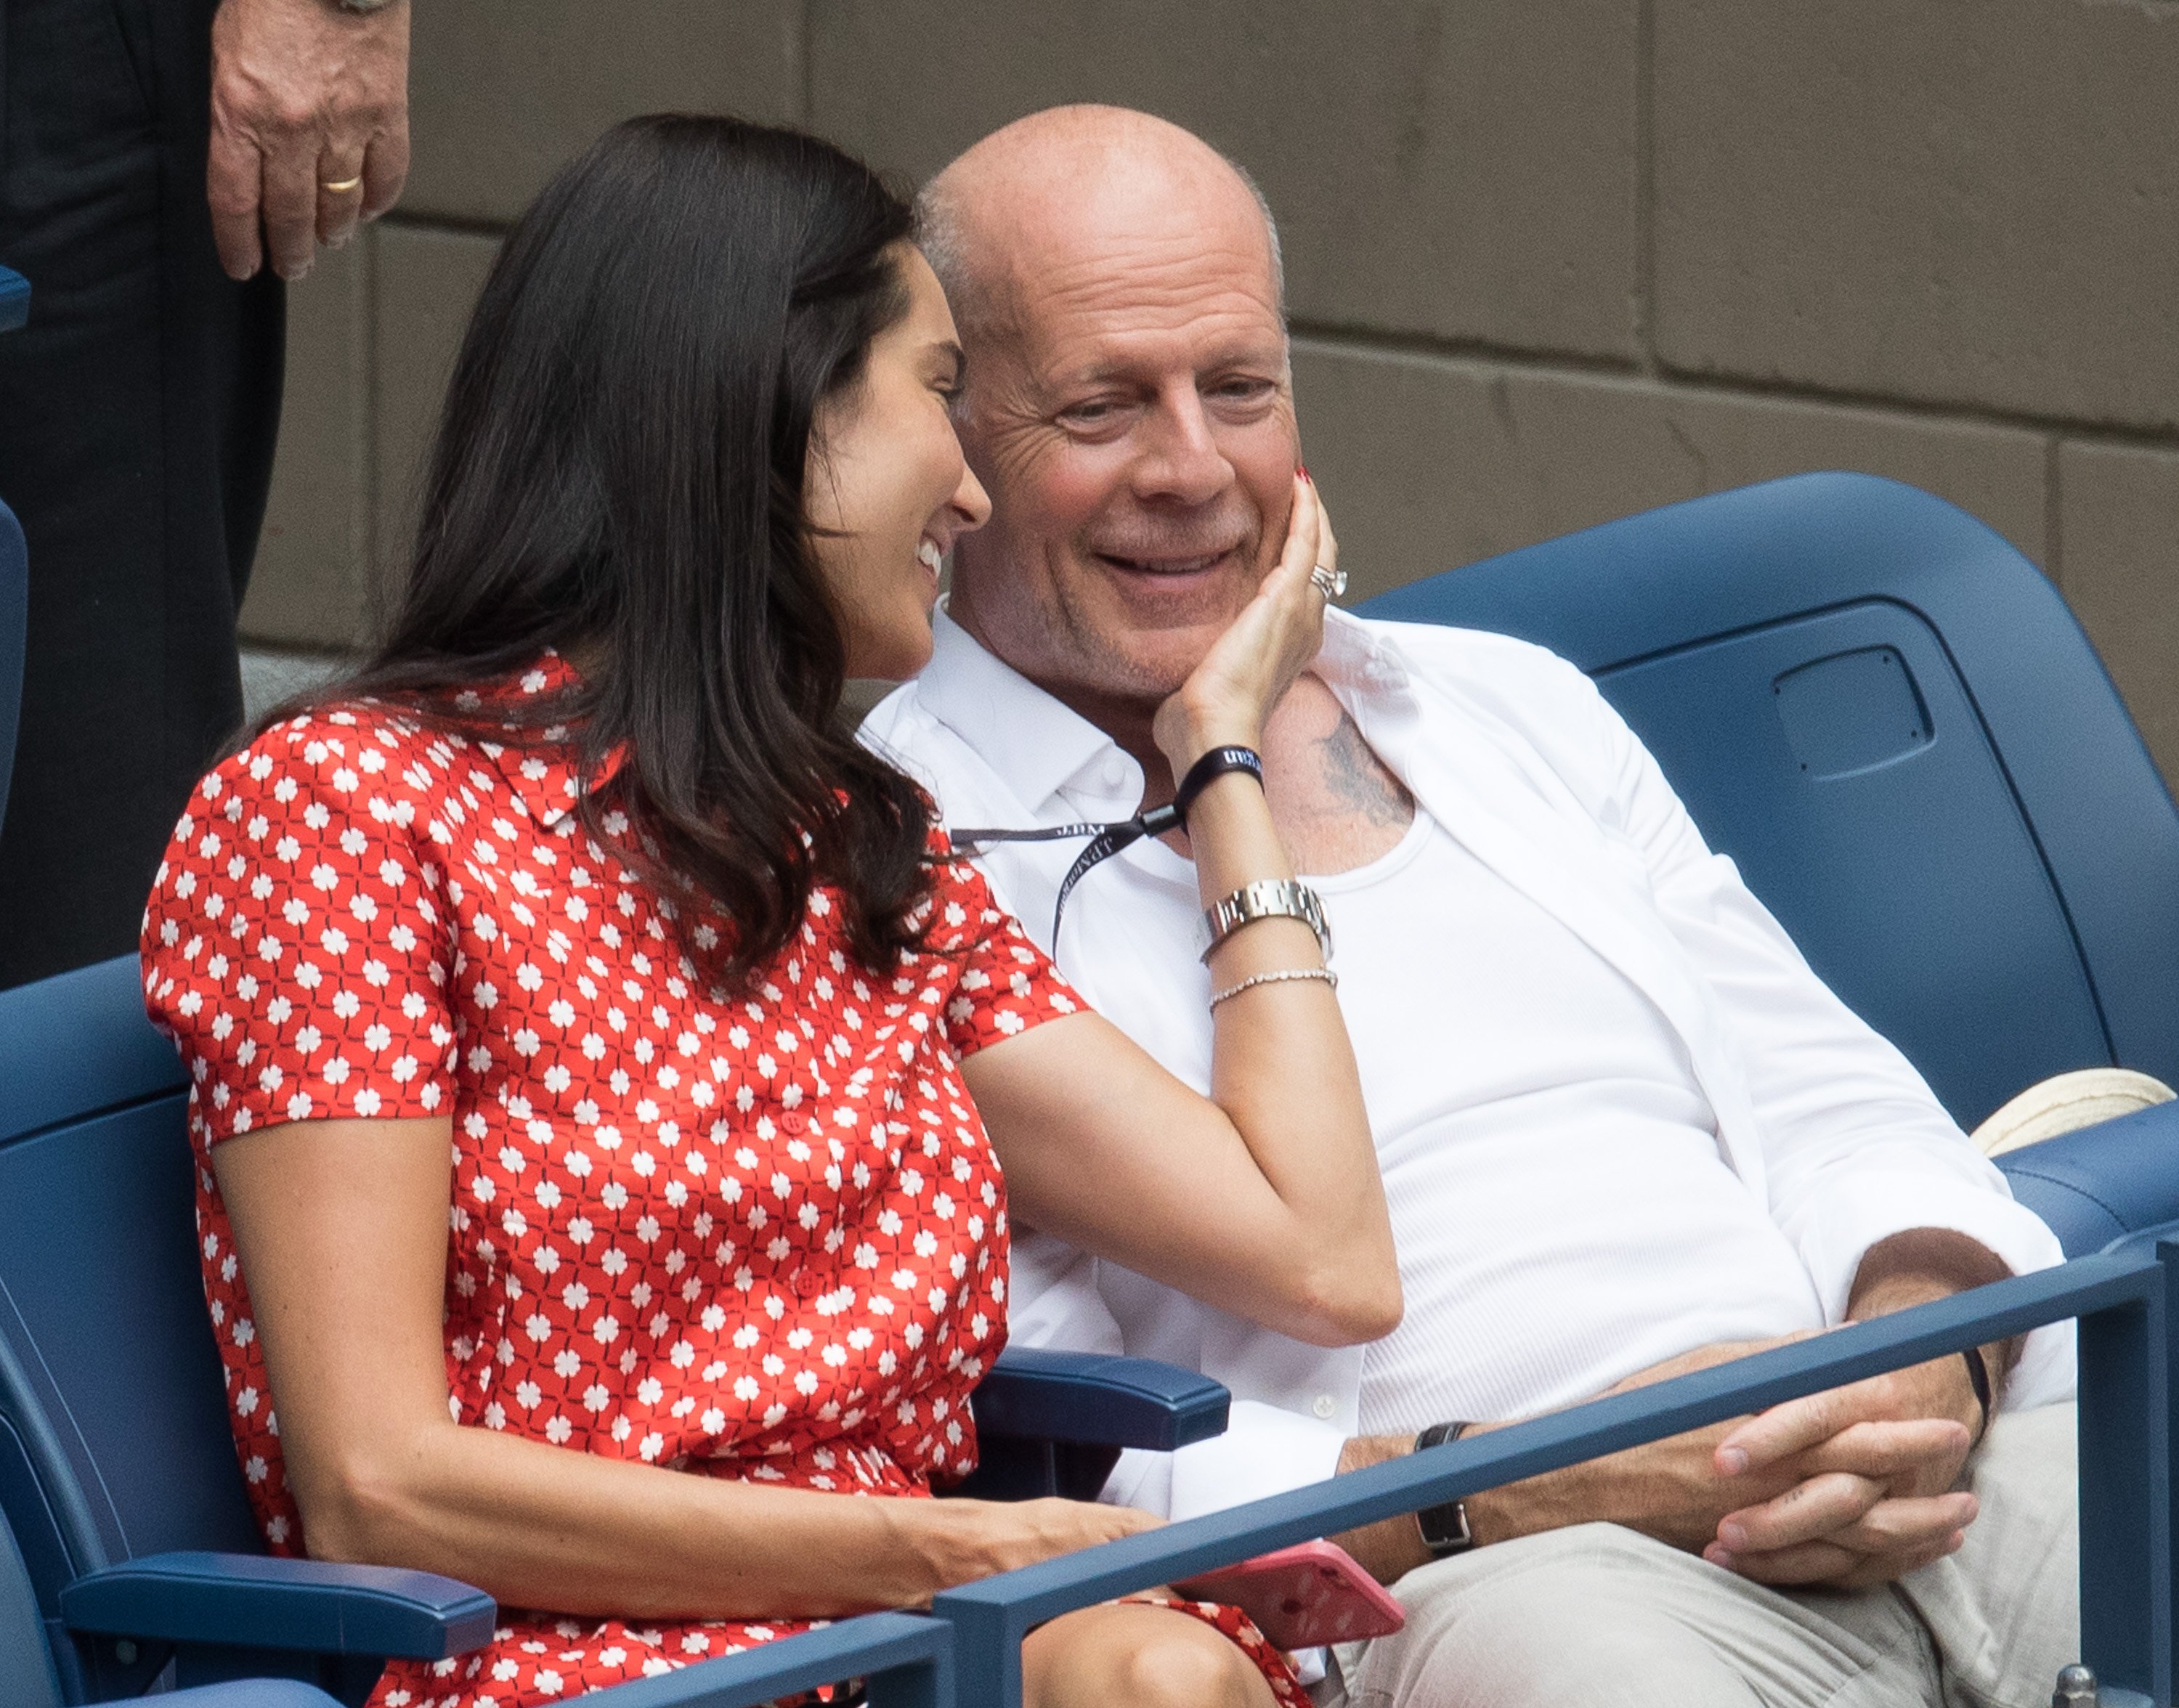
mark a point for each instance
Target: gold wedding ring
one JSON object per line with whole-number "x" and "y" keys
{"x": 344, "y": 186}
{"x": 1330, "y": 582}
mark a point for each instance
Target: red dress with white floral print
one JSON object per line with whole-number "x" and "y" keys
{"x": 761, "y": 1237}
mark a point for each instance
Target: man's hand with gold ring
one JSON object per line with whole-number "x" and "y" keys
{"x": 309, "y": 127}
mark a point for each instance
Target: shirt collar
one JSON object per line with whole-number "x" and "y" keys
{"x": 542, "y": 766}
{"x": 1037, "y": 746}
{"x": 1040, "y": 749}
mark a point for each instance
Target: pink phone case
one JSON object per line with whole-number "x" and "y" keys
{"x": 1302, "y": 1597}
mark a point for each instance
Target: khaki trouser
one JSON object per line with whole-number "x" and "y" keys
{"x": 1601, "y": 1617}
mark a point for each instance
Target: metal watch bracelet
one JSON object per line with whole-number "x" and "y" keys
{"x": 1267, "y": 898}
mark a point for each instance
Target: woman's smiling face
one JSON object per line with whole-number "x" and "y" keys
{"x": 887, "y": 491}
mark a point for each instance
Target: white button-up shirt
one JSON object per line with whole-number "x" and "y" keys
{"x": 1705, "y": 1143}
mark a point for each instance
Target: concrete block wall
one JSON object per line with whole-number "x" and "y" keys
{"x": 1549, "y": 260}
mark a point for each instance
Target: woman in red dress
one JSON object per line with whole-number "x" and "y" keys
{"x": 610, "y": 1095}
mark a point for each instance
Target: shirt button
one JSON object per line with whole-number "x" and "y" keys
{"x": 808, "y": 1283}
{"x": 794, "y": 1121}
{"x": 1115, "y": 772}
{"x": 1324, "y": 1406}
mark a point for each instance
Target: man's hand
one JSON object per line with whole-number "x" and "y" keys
{"x": 1847, "y": 1488}
{"x": 1876, "y": 1462}
{"x": 304, "y": 96}
{"x": 1879, "y": 1458}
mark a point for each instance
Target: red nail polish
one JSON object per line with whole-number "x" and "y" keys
{"x": 1302, "y": 472}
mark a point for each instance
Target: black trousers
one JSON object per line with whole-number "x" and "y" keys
{"x": 138, "y": 412}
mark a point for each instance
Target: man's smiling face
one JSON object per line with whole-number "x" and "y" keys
{"x": 1128, "y": 408}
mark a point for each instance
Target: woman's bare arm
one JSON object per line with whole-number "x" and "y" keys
{"x": 341, "y": 1227}
{"x": 1265, "y": 1199}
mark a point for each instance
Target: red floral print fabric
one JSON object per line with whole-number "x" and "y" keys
{"x": 760, "y": 1238}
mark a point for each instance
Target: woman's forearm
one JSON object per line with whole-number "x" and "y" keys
{"x": 1283, "y": 1069}
{"x": 1262, "y": 1199}
{"x": 540, "y": 1526}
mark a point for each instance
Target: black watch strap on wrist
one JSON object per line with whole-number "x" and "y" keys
{"x": 1444, "y": 1529}
{"x": 1978, "y": 1379}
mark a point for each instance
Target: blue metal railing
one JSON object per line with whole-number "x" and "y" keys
{"x": 907, "y": 1660}
{"x": 968, "y": 1651}
{"x": 2125, "y": 1360}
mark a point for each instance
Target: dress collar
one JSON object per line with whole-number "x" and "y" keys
{"x": 542, "y": 766}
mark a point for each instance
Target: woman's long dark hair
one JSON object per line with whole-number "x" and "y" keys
{"x": 618, "y": 475}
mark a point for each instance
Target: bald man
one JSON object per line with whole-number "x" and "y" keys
{"x": 1624, "y": 1130}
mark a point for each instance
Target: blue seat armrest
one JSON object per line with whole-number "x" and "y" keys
{"x": 250, "y": 1693}
{"x": 2102, "y": 1183}
{"x": 1093, "y": 1400}
{"x": 308, "y": 1606}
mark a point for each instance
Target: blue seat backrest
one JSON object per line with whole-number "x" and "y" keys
{"x": 27, "y": 1679}
{"x": 14, "y": 623}
{"x": 1888, "y": 718}
{"x": 14, "y": 570}
{"x": 114, "y": 1433}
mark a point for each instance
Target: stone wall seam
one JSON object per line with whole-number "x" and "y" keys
{"x": 806, "y": 67}
{"x": 1700, "y": 381}
{"x": 2162, "y": 11}
{"x": 373, "y": 565}
{"x": 1645, "y": 184}
{"x": 2054, "y": 494}
{"x": 452, "y": 224}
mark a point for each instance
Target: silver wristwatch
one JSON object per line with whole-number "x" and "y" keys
{"x": 1267, "y": 898}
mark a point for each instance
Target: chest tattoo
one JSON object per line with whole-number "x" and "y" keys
{"x": 1358, "y": 781}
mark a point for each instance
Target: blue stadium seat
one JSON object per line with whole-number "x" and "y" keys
{"x": 14, "y": 619}
{"x": 117, "y": 1474}
{"x": 1886, "y": 715}
{"x": 27, "y": 1679}
{"x": 15, "y": 570}
{"x": 14, "y": 299}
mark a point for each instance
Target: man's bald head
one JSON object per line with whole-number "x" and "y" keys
{"x": 1127, "y": 402}
{"x": 1058, "y": 181}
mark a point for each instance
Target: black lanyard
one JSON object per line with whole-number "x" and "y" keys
{"x": 1107, "y": 840}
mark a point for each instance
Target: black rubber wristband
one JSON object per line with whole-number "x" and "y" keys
{"x": 1212, "y": 765}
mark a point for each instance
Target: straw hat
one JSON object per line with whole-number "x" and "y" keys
{"x": 2067, "y": 1101}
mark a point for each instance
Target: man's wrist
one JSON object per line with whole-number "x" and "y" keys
{"x": 1985, "y": 1390}
{"x": 1444, "y": 1529}
{"x": 1391, "y": 1548}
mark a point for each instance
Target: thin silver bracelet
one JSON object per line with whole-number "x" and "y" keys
{"x": 1324, "y": 973}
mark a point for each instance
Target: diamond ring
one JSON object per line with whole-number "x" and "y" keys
{"x": 1330, "y": 582}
